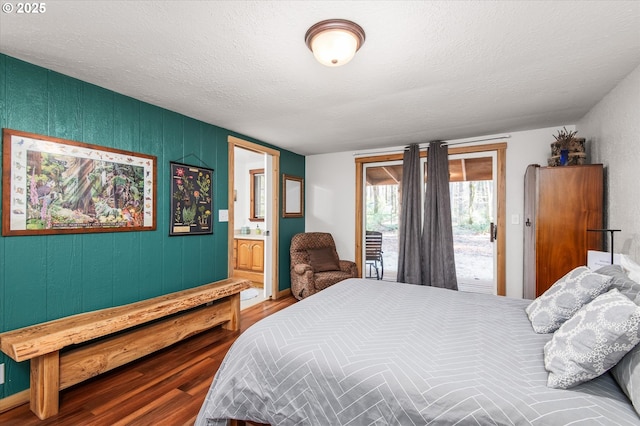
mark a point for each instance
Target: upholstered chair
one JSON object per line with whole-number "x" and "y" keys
{"x": 315, "y": 264}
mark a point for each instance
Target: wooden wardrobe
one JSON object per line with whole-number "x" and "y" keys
{"x": 560, "y": 205}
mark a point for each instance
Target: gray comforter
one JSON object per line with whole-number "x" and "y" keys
{"x": 366, "y": 352}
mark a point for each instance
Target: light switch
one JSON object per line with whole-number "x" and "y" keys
{"x": 223, "y": 215}
{"x": 515, "y": 219}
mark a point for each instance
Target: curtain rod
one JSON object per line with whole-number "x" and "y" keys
{"x": 426, "y": 145}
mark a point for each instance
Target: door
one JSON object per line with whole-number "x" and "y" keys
{"x": 473, "y": 188}
{"x": 245, "y": 258}
{"x": 382, "y": 196}
{"x": 257, "y": 256}
{"x": 476, "y": 213}
{"x": 264, "y": 226}
{"x": 271, "y": 219}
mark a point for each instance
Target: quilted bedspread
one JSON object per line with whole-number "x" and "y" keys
{"x": 366, "y": 352}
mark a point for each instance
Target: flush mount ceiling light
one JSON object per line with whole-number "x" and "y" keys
{"x": 334, "y": 42}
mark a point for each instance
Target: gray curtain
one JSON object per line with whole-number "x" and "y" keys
{"x": 438, "y": 268}
{"x": 409, "y": 244}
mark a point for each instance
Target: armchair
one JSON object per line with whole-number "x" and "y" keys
{"x": 315, "y": 264}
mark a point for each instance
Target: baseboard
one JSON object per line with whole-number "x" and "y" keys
{"x": 15, "y": 400}
{"x": 283, "y": 293}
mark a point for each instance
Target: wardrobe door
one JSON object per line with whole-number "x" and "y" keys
{"x": 569, "y": 203}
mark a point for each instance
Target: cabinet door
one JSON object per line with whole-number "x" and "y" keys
{"x": 257, "y": 256}
{"x": 244, "y": 254}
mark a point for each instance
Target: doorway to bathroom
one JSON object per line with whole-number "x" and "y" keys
{"x": 253, "y": 230}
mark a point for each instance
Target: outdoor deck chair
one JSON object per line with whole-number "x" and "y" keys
{"x": 373, "y": 249}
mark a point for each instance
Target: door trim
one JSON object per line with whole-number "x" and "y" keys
{"x": 273, "y": 236}
{"x": 501, "y": 150}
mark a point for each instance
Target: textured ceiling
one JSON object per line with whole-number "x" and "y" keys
{"x": 428, "y": 70}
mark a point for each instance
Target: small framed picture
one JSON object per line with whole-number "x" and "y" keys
{"x": 191, "y": 200}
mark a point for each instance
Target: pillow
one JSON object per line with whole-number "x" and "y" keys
{"x": 564, "y": 298}
{"x": 592, "y": 341}
{"x": 621, "y": 281}
{"x": 630, "y": 267}
{"x": 323, "y": 259}
{"x": 627, "y": 374}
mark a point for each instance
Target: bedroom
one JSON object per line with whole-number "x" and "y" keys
{"x": 76, "y": 273}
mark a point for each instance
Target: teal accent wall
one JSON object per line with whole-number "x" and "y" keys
{"x": 48, "y": 277}
{"x": 291, "y": 225}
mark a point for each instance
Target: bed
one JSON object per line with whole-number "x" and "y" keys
{"x": 367, "y": 352}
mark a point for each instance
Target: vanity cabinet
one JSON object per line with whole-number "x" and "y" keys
{"x": 248, "y": 259}
{"x": 249, "y": 255}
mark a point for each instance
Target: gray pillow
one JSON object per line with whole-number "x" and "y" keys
{"x": 627, "y": 374}
{"x": 627, "y": 371}
{"x": 565, "y": 297}
{"x": 592, "y": 341}
{"x": 621, "y": 281}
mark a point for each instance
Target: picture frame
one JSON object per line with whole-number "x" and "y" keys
{"x": 191, "y": 200}
{"x": 292, "y": 196}
{"x": 58, "y": 186}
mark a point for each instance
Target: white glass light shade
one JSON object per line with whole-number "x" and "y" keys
{"x": 334, "y": 47}
{"x": 334, "y": 42}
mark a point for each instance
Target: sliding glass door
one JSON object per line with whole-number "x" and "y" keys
{"x": 382, "y": 186}
{"x": 473, "y": 186}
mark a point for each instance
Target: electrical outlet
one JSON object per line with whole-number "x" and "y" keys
{"x": 1, "y": 374}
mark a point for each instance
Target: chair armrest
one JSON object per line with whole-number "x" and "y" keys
{"x": 349, "y": 267}
{"x": 301, "y": 268}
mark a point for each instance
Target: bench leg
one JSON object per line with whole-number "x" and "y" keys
{"x": 45, "y": 382}
{"x": 233, "y": 324}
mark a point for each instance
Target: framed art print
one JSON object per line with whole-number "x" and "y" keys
{"x": 57, "y": 186}
{"x": 191, "y": 200}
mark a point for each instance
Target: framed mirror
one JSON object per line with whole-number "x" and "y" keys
{"x": 292, "y": 196}
{"x": 257, "y": 194}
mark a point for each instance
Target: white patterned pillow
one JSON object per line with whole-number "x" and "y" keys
{"x": 565, "y": 297}
{"x": 592, "y": 341}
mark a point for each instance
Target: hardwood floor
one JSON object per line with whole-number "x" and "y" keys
{"x": 166, "y": 388}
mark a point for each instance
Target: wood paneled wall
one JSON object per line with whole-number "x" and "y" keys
{"x": 48, "y": 277}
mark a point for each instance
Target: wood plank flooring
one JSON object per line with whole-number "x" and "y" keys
{"x": 165, "y": 388}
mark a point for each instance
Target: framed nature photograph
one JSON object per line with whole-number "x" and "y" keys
{"x": 57, "y": 186}
{"x": 191, "y": 200}
{"x": 293, "y": 196}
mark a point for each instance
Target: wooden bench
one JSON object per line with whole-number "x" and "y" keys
{"x": 122, "y": 334}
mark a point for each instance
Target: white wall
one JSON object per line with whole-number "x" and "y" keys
{"x": 245, "y": 160}
{"x": 330, "y": 196}
{"x": 612, "y": 129}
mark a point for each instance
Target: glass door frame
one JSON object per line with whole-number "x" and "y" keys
{"x": 494, "y": 159}
{"x": 363, "y": 216}
{"x": 501, "y": 152}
